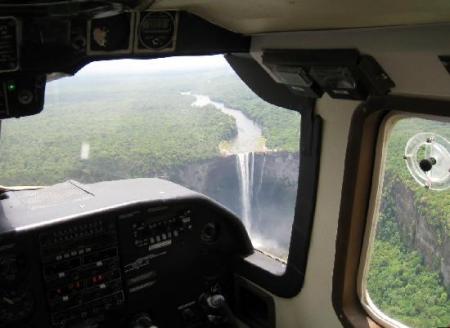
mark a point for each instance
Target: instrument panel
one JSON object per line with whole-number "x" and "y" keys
{"x": 16, "y": 300}
{"x": 144, "y": 32}
{"x": 81, "y": 270}
{"x": 9, "y": 44}
{"x": 131, "y": 253}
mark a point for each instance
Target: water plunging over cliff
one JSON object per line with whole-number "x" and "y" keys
{"x": 259, "y": 186}
{"x": 248, "y": 140}
{"x": 246, "y": 168}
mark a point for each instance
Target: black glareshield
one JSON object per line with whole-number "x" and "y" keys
{"x": 289, "y": 283}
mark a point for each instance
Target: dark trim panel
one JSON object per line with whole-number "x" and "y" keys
{"x": 291, "y": 281}
{"x": 256, "y": 311}
{"x": 359, "y": 163}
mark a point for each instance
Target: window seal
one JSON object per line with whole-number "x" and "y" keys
{"x": 384, "y": 131}
{"x": 357, "y": 190}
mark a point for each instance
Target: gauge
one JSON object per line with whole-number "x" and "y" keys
{"x": 16, "y": 304}
{"x": 156, "y": 30}
{"x": 12, "y": 268}
{"x": 16, "y": 301}
{"x": 9, "y": 60}
{"x": 8, "y": 269}
{"x": 110, "y": 34}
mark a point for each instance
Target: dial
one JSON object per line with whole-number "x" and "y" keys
{"x": 8, "y": 269}
{"x": 110, "y": 33}
{"x": 156, "y": 30}
{"x": 13, "y": 269}
{"x": 16, "y": 304}
{"x": 16, "y": 301}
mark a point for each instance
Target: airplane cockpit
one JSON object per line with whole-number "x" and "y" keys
{"x": 225, "y": 164}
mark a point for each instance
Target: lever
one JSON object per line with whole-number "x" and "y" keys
{"x": 220, "y": 311}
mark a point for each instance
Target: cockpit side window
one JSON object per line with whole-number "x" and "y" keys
{"x": 394, "y": 195}
{"x": 405, "y": 280}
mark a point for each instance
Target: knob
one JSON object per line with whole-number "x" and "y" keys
{"x": 216, "y": 301}
{"x": 189, "y": 316}
{"x": 25, "y": 97}
{"x": 219, "y": 312}
{"x": 427, "y": 163}
{"x": 143, "y": 321}
{"x": 210, "y": 232}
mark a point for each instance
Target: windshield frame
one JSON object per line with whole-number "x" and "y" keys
{"x": 286, "y": 280}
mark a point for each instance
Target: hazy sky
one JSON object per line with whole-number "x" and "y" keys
{"x": 154, "y": 65}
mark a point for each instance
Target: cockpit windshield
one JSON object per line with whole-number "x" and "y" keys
{"x": 190, "y": 120}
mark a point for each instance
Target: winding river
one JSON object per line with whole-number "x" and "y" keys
{"x": 249, "y": 136}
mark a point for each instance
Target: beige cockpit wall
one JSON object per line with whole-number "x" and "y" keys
{"x": 262, "y": 16}
{"x": 410, "y": 57}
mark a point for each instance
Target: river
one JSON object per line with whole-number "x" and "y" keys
{"x": 249, "y": 137}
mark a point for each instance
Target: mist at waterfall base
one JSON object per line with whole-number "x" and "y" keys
{"x": 267, "y": 203}
{"x": 260, "y": 188}
{"x": 258, "y": 185}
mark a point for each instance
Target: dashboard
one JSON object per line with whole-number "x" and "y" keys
{"x": 130, "y": 253}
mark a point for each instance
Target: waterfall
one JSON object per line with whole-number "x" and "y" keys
{"x": 261, "y": 175}
{"x": 245, "y": 167}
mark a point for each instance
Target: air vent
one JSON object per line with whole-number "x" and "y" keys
{"x": 253, "y": 306}
{"x": 445, "y": 60}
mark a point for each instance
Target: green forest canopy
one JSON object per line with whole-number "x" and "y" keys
{"x": 135, "y": 125}
{"x": 281, "y": 127}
